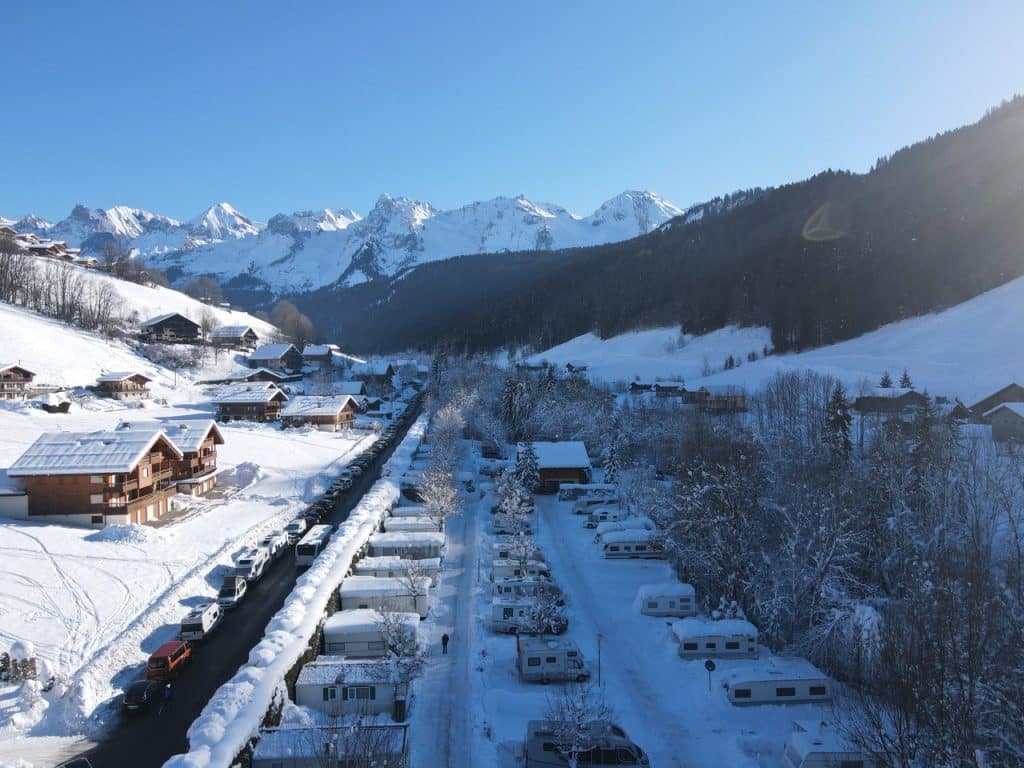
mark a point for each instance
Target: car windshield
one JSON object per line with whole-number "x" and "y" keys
{"x": 228, "y": 591}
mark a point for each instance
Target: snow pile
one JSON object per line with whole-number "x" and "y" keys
{"x": 236, "y": 710}
{"x": 125, "y": 534}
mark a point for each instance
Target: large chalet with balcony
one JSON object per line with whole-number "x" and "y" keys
{"x": 172, "y": 327}
{"x": 99, "y": 478}
{"x": 123, "y": 385}
{"x": 258, "y": 401}
{"x": 330, "y": 413}
{"x": 235, "y": 337}
{"x": 14, "y": 381}
{"x": 195, "y": 472}
{"x": 276, "y": 357}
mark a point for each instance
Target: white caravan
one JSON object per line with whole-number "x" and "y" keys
{"x": 517, "y": 569}
{"x": 600, "y": 515}
{"x": 522, "y": 589}
{"x": 385, "y": 593}
{"x": 633, "y": 545}
{"x": 626, "y": 524}
{"x": 550, "y": 660}
{"x": 508, "y": 547}
{"x": 816, "y": 744}
{"x": 700, "y": 638}
{"x": 780, "y": 681}
{"x": 668, "y": 599}
{"x": 574, "y": 491}
{"x": 250, "y": 564}
{"x": 410, "y": 524}
{"x": 360, "y": 632}
{"x": 586, "y": 505}
{"x": 514, "y": 616}
{"x": 414, "y": 546}
{"x": 201, "y": 621}
{"x": 398, "y": 566}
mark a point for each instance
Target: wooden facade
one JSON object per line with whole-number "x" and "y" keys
{"x": 330, "y": 414}
{"x": 1011, "y": 393}
{"x": 235, "y": 337}
{"x": 1007, "y": 422}
{"x": 276, "y": 357}
{"x": 126, "y": 386}
{"x": 173, "y": 327}
{"x": 14, "y": 382}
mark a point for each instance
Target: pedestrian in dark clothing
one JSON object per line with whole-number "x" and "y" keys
{"x": 444, "y": 643}
{"x": 166, "y": 702}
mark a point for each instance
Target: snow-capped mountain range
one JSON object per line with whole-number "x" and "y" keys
{"x": 309, "y": 249}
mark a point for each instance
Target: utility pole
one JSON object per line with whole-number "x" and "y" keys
{"x": 600, "y": 637}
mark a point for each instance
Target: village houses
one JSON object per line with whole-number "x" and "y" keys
{"x": 234, "y": 337}
{"x": 14, "y": 381}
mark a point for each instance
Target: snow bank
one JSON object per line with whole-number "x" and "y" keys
{"x": 125, "y": 534}
{"x": 236, "y": 710}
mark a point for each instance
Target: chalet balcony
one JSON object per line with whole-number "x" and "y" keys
{"x": 122, "y": 484}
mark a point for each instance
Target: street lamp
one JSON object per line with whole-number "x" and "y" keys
{"x": 600, "y": 637}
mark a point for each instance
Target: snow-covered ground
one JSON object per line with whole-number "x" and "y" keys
{"x": 962, "y": 352}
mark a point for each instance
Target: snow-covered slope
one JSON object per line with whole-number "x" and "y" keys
{"x": 966, "y": 351}
{"x": 308, "y": 249}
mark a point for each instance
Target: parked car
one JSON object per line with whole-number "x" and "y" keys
{"x": 355, "y": 468}
{"x": 231, "y": 592}
{"x": 141, "y": 694}
{"x": 168, "y": 661}
{"x": 295, "y": 529}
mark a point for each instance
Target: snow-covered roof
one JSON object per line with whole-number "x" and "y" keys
{"x": 364, "y": 620}
{"x": 317, "y": 405}
{"x": 377, "y": 586}
{"x": 775, "y": 668}
{"x": 665, "y": 589}
{"x": 313, "y": 742}
{"x": 567, "y": 453}
{"x": 819, "y": 737}
{"x": 9, "y": 366}
{"x": 693, "y": 627}
{"x": 394, "y": 562}
{"x": 160, "y": 318}
{"x": 407, "y": 538}
{"x": 628, "y": 535}
{"x": 120, "y": 376}
{"x": 889, "y": 391}
{"x": 330, "y": 670}
{"x": 249, "y": 374}
{"x": 371, "y": 368}
{"x": 1015, "y": 408}
{"x": 349, "y": 387}
{"x": 271, "y": 351}
{"x": 187, "y": 434}
{"x": 316, "y": 350}
{"x": 84, "y": 453}
{"x": 249, "y": 392}
{"x": 231, "y": 331}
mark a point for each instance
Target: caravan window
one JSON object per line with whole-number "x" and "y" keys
{"x": 533, "y": 661}
{"x": 640, "y": 548}
{"x": 360, "y": 692}
{"x": 653, "y": 604}
{"x": 613, "y": 548}
{"x": 550, "y": 660}
{"x": 851, "y": 764}
{"x": 785, "y": 691}
{"x": 689, "y": 646}
{"x": 375, "y": 645}
{"x": 741, "y": 693}
{"x": 710, "y": 646}
{"x": 817, "y": 690}
{"x": 330, "y": 694}
{"x": 671, "y": 603}
{"x": 732, "y": 645}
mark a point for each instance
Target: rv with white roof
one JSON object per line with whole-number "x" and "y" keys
{"x": 625, "y": 524}
{"x": 633, "y": 544}
{"x": 360, "y": 632}
{"x": 517, "y": 569}
{"x": 521, "y": 589}
{"x": 701, "y": 638}
{"x": 514, "y": 616}
{"x": 414, "y": 546}
{"x": 250, "y": 564}
{"x": 411, "y": 524}
{"x": 586, "y": 505}
{"x": 574, "y": 491}
{"x": 550, "y": 659}
{"x": 600, "y": 515}
{"x": 201, "y": 621}
{"x": 398, "y": 566}
{"x": 816, "y": 744}
{"x": 385, "y": 594}
{"x": 511, "y": 525}
{"x": 669, "y": 599}
{"x": 780, "y": 681}
{"x": 508, "y": 548}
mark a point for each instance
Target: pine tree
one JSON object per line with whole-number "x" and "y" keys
{"x": 837, "y": 426}
{"x": 886, "y": 381}
{"x": 905, "y": 381}
{"x": 527, "y": 471}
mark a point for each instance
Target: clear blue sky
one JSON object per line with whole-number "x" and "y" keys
{"x": 278, "y": 106}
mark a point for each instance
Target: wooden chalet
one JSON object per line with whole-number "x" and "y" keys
{"x": 669, "y": 389}
{"x": 234, "y": 337}
{"x": 329, "y": 413}
{"x": 256, "y": 401}
{"x": 99, "y": 478}
{"x": 195, "y": 472}
{"x": 1011, "y": 393}
{"x": 717, "y": 400}
{"x": 14, "y": 381}
{"x": 640, "y": 387}
{"x": 562, "y": 462}
{"x": 354, "y": 388}
{"x": 1007, "y": 420}
{"x": 123, "y": 385}
{"x": 172, "y": 328}
{"x": 7, "y": 231}
{"x": 379, "y": 372}
{"x": 317, "y": 355}
{"x": 889, "y": 401}
{"x": 276, "y": 357}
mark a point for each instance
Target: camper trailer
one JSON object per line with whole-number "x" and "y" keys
{"x": 409, "y": 511}
{"x": 701, "y": 638}
{"x": 201, "y": 621}
{"x": 517, "y": 569}
{"x": 411, "y": 524}
{"x": 398, "y": 566}
{"x": 359, "y": 633}
{"x": 508, "y": 547}
{"x": 338, "y": 687}
{"x": 384, "y": 593}
{"x": 816, "y": 744}
{"x": 600, "y": 515}
{"x": 670, "y": 599}
{"x": 633, "y": 545}
{"x": 627, "y": 524}
{"x": 574, "y": 491}
{"x": 510, "y": 525}
{"x": 550, "y": 659}
{"x": 414, "y": 546}
{"x": 586, "y": 505}
{"x": 250, "y": 564}
{"x": 780, "y": 681}
{"x": 608, "y": 745}
{"x": 523, "y": 589}
{"x": 514, "y": 617}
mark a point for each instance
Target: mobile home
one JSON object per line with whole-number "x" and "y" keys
{"x": 700, "y": 638}
{"x": 586, "y": 505}
{"x": 515, "y": 616}
{"x": 779, "y": 681}
{"x": 669, "y": 599}
{"x": 522, "y": 589}
{"x": 633, "y": 544}
{"x": 385, "y": 593}
{"x": 398, "y": 566}
{"x": 339, "y": 687}
{"x": 359, "y": 633}
{"x": 511, "y": 525}
{"x": 628, "y": 524}
{"x": 517, "y": 569}
{"x": 415, "y": 546}
{"x": 574, "y": 491}
{"x": 550, "y": 659}
{"x": 816, "y": 744}
{"x": 508, "y": 547}
{"x": 600, "y": 515}
{"x": 411, "y": 524}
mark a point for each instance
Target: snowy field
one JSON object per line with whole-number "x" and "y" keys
{"x": 960, "y": 352}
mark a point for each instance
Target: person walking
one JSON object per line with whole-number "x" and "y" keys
{"x": 165, "y": 702}
{"x": 444, "y": 643}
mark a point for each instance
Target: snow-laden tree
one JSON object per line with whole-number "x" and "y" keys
{"x": 578, "y": 716}
{"x": 439, "y": 492}
{"x": 402, "y": 643}
{"x": 886, "y": 381}
{"x": 837, "y": 427}
{"x": 527, "y": 472}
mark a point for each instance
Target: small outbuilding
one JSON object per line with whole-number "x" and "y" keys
{"x": 561, "y": 462}
{"x": 1011, "y": 393}
{"x": 339, "y": 687}
{"x": 1007, "y": 420}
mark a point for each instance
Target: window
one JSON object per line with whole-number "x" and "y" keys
{"x": 96, "y": 479}
{"x": 690, "y": 646}
{"x": 145, "y": 471}
{"x": 330, "y": 693}
{"x": 732, "y": 645}
{"x": 671, "y": 603}
{"x": 653, "y": 604}
{"x": 625, "y": 757}
{"x": 710, "y": 646}
{"x": 550, "y": 660}
{"x": 95, "y": 498}
{"x": 375, "y": 645}
{"x": 851, "y": 764}
{"x": 613, "y": 548}
{"x": 817, "y": 690}
{"x": 785, "y": 691}
{"x": 533, "y": 661}
{"x": 741, "y": 693}
{"x": 97, "y": 519}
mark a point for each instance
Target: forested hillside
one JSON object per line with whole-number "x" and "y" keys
{"x": 817, "y": 261}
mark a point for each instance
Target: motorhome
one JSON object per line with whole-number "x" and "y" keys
{"x": 312, "y": 544}
{"x": 360, "y": 632}
{"x": 295, "y": 529}
{"x": 201, "y": 621}
{"x": 668, "y": 599}
{"x": 700, "y": 638}
{"x": 275, "y": 543}
{"x": 510, "y": 547}
{"x": 385, "y": 594}
{"x": 585, "y": 505}
{"x": 232, "y": 590}
{"x": 600, "y": 515}
{"x": 515, "y": 616}
{"x": 250, "y": 564}
{"x": 511, "y": 524}
{"x": 626, "y": 524}
{"x": 413, "y": 510}
{"x": 609, "y": 745}
{"x": 574, "y": 491}
{"x": 779, "y": 681}
{"x": 411, "y": 524}
{"x": 550, "y": 660}
{"x": 414, "y": 546}
{"x": 398, "y": 566}
{"x": 521, "y": 589}
{"x": 518, "y": 569}
{"x": 817, "y": 744}
{"x": 633, "y": 544}
{"x": 338, "y": 687}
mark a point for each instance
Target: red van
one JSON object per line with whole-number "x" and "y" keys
{"x": 168, "y": 660}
